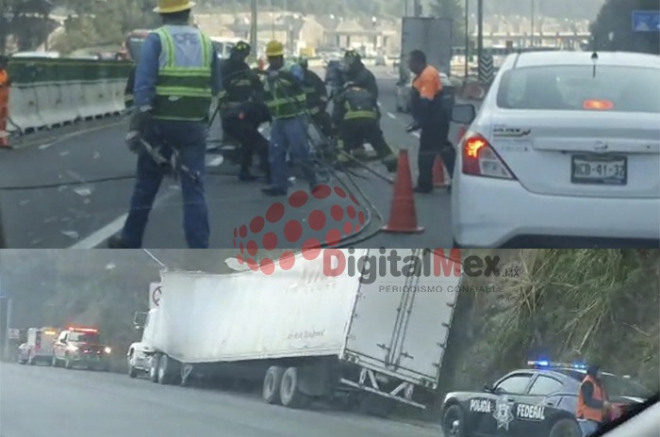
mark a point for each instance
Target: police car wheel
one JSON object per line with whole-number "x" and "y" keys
{"x": 453, "y": 422}
{"x": 565, "y": 428}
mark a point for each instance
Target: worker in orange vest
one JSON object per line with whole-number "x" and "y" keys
{"x": 592, "y": 405}
{"x": 4, "y": 100}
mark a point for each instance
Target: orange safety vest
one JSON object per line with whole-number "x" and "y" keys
{"x": 586, "y": 412}
{"x": 4, "y": 83}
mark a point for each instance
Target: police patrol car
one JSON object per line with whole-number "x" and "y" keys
{"x": 539, "y": 401}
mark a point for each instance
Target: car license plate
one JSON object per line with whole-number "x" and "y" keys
{"x": 599, "y": 170}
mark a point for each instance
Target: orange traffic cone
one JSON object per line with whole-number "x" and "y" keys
{"x": 4, "y": 135}
{"x": 4, "y": 140}
{"x": 403, "y": 217}
{"x": 439, "y": 179}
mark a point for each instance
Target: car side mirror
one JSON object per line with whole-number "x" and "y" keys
{"x": 464, "y": 113}
{"x": 488, "y": 388}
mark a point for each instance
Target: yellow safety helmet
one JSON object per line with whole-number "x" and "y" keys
{"x": 173, "y": 6}
{"x": 274, "y": 48}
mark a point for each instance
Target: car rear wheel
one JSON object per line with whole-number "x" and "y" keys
{"x": 453, "y": 422}
{"x": 565, "y": 428}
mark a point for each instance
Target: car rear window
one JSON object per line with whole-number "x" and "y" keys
{"x": 576, "y": 88}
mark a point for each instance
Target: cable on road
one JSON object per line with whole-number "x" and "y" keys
{"x": 371, "y": 211}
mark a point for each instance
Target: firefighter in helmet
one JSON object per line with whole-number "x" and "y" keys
{"x": 242, "y": 110}
{"x": 317, "y": 99}
{"x": 357, "y": 115}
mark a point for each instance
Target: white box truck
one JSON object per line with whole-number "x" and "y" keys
{"x": 431, "y": 35}
{"x": 314, "y": 331}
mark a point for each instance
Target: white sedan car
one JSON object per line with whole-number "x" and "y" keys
{"x": 564, "y": 151}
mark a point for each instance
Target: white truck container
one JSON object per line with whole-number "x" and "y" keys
{"x": 431, "y": 35}
{"x": 303, "y": 333}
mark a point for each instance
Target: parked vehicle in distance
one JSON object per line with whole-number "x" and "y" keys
{"x": 81, "y": 347}
{"x": 39, "y": 346}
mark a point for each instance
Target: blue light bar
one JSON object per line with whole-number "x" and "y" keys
{"x": 553, "y": 364}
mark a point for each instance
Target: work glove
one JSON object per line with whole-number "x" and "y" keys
{"x": 140, "y": 121}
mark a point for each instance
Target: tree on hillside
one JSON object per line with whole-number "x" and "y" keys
{"x": 612, "y": 30}
{"x": 26, "y": 21}
{"x": 104, "y": 22}
{"x": 452, "y": 9}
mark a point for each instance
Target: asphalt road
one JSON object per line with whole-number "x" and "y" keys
{"x": 47, "y": 402}
{"x": 52, "y": 214}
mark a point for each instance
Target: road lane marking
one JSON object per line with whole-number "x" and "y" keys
{"x": 392, "y": 116}
{"x": 44, "y": 142}
{"x": 415, "y": 134}
{"x": 95, "y": 239}
{"x": 215, "y": 162}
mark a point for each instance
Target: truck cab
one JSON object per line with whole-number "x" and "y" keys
{"x": 140, "y": 354}
{"x": 81, "y": 347}
{"x": 38, "y": 347}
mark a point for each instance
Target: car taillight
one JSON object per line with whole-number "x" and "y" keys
{"x": 480, "y": 159}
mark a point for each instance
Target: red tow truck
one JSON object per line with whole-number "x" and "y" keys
{"x": 81, "y": 347}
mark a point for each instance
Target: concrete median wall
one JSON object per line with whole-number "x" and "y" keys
{"x": 47, "y": 93}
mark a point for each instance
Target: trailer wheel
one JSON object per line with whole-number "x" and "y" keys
{"x": 153, "y": 369}
{"x": 272, "y": 383}
{"x": 290, "y": 395}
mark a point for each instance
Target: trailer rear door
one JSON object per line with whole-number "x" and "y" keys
{"x": 399, "y": 326}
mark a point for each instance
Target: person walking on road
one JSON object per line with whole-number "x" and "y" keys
{"x": 431, "y": 117}
{"x": 286, "y": 101}
{"x": 592, "y": 404}
{"x": 177, "y": 75}
{"x": 5, "y": 82}
{"x": 242, "y": 110}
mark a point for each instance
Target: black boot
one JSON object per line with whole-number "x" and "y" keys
{"x": 116, "y": 242}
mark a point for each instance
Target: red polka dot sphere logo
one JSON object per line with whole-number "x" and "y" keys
{"x": 323, "y": 219}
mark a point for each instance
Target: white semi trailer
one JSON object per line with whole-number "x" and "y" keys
{"x": 304, "y": 333}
